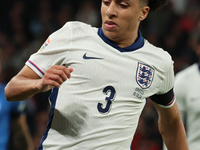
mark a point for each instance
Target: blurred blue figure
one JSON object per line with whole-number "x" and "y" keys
{"x": 8, "y": 111}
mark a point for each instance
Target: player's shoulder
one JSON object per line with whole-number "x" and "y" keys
{"x": 184, "y": 77}
{"x": 157, "y": 50}
{"x": 73, "y": 30}
{"x": 79, "y": 26}
{"x": 186, "y": 73}
{"x": 76, "y": 24}
{"x": 158, "y": 54}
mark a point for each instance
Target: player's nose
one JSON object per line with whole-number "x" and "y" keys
{"x": 111, "y": 10}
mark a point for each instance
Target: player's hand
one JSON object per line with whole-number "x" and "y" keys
{"x": 54, "y": 77}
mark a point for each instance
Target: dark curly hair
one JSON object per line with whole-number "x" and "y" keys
{"x": 154, "y": 4}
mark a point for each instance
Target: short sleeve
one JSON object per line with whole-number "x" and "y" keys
{"x": 52, "y": 52}
{"x": 165, "y": 95}
{"x": 166, "y": 100}
{"x": 168, "y": 78}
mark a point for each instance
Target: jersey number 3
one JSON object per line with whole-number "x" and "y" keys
{"x": 111, "y": 91}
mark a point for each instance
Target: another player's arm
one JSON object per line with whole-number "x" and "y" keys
{"x": 27, "y": 83}
{"x": 170, "y": 125}
{"x": 22, "y": 122}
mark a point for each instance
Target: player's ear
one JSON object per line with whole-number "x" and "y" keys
{"x": 144, "y": 12}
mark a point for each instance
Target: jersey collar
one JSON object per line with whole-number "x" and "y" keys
{"x": 139, "y": 43}
{"x": 199, "y": 66}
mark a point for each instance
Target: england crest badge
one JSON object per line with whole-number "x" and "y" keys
{"x": 144, "y": 75}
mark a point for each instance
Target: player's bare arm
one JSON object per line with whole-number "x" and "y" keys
{"x": 171, "y": 127}
{"x": 27, "y": 83}
{"x": 22, "y": 123}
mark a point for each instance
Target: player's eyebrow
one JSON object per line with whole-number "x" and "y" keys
{"x": 123, "y": 1}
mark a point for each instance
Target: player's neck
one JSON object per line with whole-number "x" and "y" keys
{"x": 126, "y": 40}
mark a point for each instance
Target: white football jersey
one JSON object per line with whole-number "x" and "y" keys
{"x": 98, "y": 108}
{"x": 187, "y": 91}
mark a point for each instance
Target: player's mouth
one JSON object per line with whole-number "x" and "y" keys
{"x": 110, "y": 25}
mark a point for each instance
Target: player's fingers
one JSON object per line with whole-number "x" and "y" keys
{"x": 52, "y": 80}
{"x": 49, "y": 77}
{"x": 57, "y": 78}
{"x": 51, "y": 83}
{"x": 70, "y": 69}
{"x": 58, "y": 70}
{"x": 68, "y": 72}
{"x": 62, "y": 73}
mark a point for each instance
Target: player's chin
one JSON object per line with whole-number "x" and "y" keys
{"x": 111, "y": 34}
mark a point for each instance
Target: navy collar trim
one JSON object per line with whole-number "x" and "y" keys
{"x": 199, "y": 66}
{"x": 139, "y": 43}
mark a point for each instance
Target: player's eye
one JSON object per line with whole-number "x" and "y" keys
{"x": 123, "y": 5}
{"x": 106, "y": 2}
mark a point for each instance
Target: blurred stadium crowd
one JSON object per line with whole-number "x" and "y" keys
{"x": 25, "y": 25}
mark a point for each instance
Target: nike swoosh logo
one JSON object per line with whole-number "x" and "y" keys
{"x": 86, "y": 57}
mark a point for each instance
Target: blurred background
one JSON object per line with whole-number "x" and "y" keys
{"x": 25, "y": 25}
